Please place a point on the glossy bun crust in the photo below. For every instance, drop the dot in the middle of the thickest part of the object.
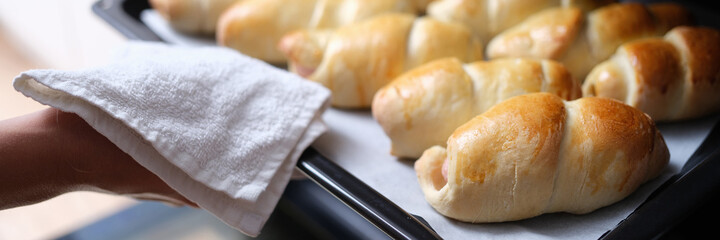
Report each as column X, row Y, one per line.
column 536, row 154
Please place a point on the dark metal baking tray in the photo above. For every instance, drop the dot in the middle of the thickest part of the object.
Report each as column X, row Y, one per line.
column 373, row 206
column 672, row 204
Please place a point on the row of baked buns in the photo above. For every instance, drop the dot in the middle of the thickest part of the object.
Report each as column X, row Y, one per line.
column 556, row 113
column 540, row 151
column 354, row 47
column 254, row 27
column 509, row 139
column 522, row 134
column 671, row 78
column 354, row 61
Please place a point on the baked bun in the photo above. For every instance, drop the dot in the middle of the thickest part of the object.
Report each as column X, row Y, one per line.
column 670, row 78
column 487, row 18
column 422, row 107
column 255, row 27
column 358, row 59
column 192, row 16
column 581, row 41
column 536, row 153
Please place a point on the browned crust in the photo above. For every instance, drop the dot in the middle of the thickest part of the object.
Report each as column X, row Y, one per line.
column 536, row 153
column 671, row 78
column 508, row 126
column 546, row 34
column 655, row 62
column 613, row 127
column 703, row 52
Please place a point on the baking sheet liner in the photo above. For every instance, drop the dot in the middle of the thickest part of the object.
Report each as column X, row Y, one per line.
column 357, row 143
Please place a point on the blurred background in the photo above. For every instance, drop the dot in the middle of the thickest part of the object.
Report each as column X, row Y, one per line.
column 60, row 35
column 48, row 34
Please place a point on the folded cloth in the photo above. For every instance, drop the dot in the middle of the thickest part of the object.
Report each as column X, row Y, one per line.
column 223, row 129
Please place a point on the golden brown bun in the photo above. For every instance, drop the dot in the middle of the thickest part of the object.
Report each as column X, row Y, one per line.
column 357, row 60
column 545, row 35
column 192, row 16
column 672, row 78
column 422, row 107
column 487, row 18
column 580, row 41
column 536, row 154
column 255, row 27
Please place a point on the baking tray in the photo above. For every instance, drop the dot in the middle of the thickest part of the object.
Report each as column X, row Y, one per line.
column 385, row 215
column 687, row 191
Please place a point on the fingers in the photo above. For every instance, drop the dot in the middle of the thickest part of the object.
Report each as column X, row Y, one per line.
column 106, row 168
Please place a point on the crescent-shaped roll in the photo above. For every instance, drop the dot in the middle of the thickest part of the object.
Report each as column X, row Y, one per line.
column 670, row 78
column 422, row 107
column 192, row 16
column 581, row 41
column 356, row 60
column 537, row 153
column 254, row 27
column 487, row 18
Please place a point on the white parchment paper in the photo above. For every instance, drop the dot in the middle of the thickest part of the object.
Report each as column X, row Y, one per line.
column 357, row 143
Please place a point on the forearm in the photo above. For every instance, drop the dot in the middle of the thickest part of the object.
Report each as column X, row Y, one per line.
column 48, row 153
column 33, row 160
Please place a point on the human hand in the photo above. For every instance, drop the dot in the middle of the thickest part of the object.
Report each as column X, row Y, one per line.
column 50, row 152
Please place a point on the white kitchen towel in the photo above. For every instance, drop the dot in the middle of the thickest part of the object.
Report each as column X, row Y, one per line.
column 223, row 129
